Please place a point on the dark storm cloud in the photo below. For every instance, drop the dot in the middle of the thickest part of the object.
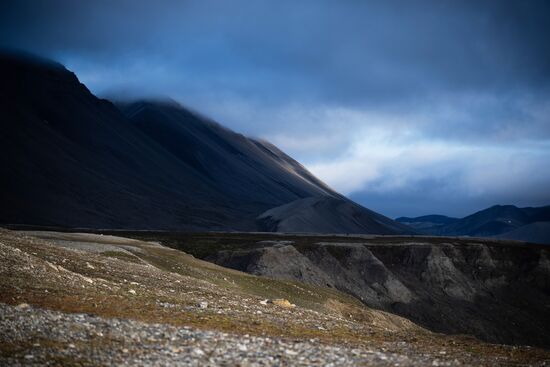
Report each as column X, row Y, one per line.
column 358, row 51
column 466, row 73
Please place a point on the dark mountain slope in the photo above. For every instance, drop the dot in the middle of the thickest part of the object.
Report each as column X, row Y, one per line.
column 537, row 232
column 493, row 220
column 427, row 223
column 241, row 168
column 71, row 159
column 327, row 215
column 538, row 214
column 434, row 218
column 498, row 221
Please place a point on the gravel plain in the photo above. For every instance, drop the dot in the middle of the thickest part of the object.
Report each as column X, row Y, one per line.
column 48, row 338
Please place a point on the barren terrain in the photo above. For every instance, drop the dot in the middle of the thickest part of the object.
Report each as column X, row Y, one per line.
column 84, row 299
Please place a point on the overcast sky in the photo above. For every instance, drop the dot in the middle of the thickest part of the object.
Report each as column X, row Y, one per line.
column 408, row 107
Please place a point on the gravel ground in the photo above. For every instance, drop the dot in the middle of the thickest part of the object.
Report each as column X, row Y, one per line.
column 161, row 307
column 47, row 338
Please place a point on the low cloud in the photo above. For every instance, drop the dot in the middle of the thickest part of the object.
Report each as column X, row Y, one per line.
column 400, row 157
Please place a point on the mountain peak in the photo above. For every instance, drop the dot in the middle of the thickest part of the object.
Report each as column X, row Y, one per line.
column 76, row 161
column 25, row 59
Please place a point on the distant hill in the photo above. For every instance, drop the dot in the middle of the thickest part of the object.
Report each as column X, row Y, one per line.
column 71, row 159
column 327, row 215
column 494, row 220
column 538, row 232
column 502, row 221
column 427, row 223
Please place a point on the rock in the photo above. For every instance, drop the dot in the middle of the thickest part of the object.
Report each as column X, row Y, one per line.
column 86, row 279
column 198, row 352
column 132, row 291
column 23, row 306
column 175, row 349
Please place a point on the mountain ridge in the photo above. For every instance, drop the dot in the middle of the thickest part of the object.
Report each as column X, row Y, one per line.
column 495, row 221
column 74, row 160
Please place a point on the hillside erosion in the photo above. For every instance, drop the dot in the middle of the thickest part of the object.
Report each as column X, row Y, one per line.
column 497, row 291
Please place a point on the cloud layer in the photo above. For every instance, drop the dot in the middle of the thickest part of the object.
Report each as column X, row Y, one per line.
column 409, row 107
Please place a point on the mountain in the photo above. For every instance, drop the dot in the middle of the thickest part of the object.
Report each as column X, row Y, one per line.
column 502, row 221
column 537, row 232
column 327, row 215
column 240, row 168
column 71, row 159
column 494, row 220
column 426, row 223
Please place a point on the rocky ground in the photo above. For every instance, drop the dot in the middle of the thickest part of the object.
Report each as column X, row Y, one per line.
column 73, row 299
column 61, row 338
